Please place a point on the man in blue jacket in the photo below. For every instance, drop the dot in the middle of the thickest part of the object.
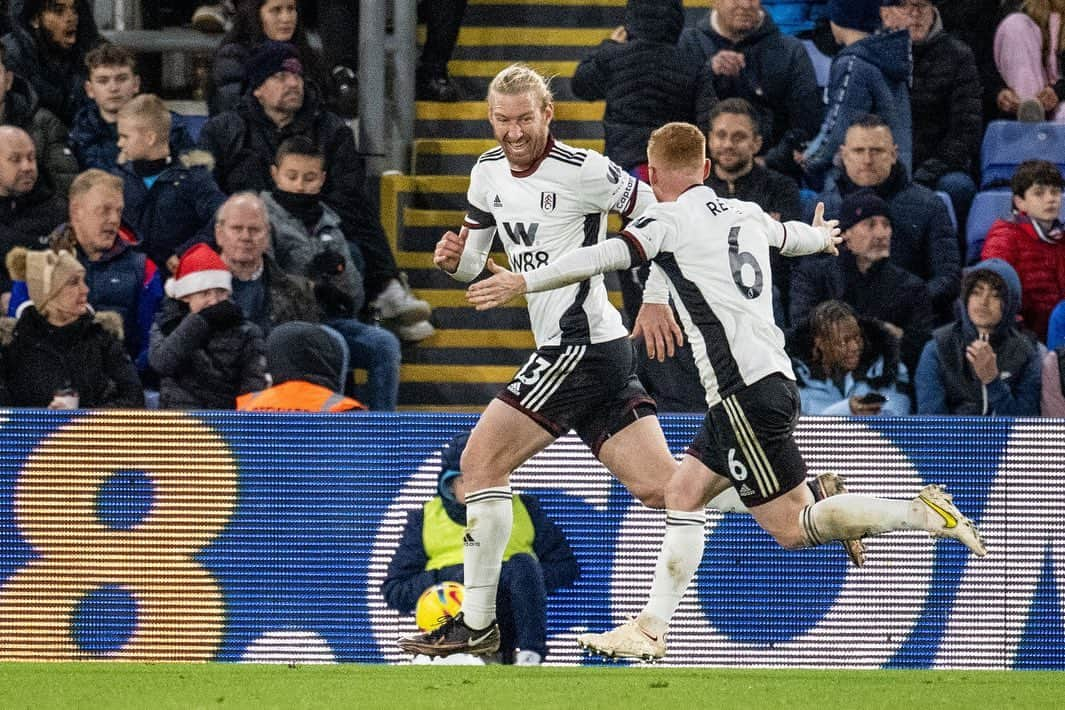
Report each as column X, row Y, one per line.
column 537, row 561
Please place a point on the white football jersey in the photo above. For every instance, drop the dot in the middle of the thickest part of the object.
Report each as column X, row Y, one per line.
column 557, row 206
column 714, row 252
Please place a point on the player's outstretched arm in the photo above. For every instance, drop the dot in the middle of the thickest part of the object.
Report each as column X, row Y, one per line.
column 800, row 239
column 659, row 329
column 829, row 228
column 448, row 252
column 498, row 289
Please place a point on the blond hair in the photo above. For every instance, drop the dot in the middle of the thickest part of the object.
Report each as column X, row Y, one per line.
column 150, row 110
column 518, row 79
column 1039, row 10
column 677, row 146
column 89, row 179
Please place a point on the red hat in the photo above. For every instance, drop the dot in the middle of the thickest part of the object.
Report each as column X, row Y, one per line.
column 200, row 269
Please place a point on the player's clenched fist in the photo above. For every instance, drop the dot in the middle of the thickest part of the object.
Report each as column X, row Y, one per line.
column 448, row 250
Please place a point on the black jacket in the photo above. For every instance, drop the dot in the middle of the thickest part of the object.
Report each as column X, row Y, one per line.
column 27, row 221
column 42, row 359
column 645, row 81
column 94, row 141
column 778, row 80
column 22, row 108
column 946, row 105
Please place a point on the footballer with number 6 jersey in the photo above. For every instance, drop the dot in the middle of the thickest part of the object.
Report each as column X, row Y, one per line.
column 714, row 255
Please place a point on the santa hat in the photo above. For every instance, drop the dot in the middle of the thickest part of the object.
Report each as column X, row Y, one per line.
column 200, row 269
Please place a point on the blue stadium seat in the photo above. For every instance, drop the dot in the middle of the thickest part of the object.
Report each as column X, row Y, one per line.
column 950, row 208
column 987, row 206
column 1009, row 143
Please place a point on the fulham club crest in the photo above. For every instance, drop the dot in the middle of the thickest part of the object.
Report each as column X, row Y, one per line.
column 547, row 201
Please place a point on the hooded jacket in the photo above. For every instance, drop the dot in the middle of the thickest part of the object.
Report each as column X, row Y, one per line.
column 57, row 77
column 177, row 210
column 871, row 75
column 879, row 370
column 778, row 79
column 55, row 162
column 94, row 141
column 945, row 381
column 27, row 221
column 645, row 81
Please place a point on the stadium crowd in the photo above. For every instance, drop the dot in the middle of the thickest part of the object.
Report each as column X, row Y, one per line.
column 200, row 243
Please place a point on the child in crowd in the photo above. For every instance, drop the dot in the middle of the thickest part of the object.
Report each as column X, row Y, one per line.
column 112, row 82
column 206, row 352
column 170, row 202
column 1032, row 241
column 308, row 241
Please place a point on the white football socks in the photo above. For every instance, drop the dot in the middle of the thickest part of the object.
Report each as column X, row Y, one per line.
column 490, row 518
column 850, row 516
column 679, row 558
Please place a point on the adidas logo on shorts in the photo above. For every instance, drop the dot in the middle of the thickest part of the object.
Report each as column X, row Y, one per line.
column 745, row 490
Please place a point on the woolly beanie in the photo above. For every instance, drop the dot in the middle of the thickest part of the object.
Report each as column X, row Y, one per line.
column 859, row 206
column 271, row 58
column 45, row 272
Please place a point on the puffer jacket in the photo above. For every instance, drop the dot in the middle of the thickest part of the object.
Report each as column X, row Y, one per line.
column 55, row 162
column 870, row 76
column 645, row 81
column 94, row 141
column 27, row 221
column 176, row 211
column 204, row 369
column 1040, row 265
column 946, row 101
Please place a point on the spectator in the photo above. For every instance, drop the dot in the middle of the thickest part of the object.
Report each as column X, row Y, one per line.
column 1032, row 241
column 47, row 47
column 20, row 107
column 112, row 82
column 640, row 73
column 244, row 143
column 255, row 23
column 864, row 277
column 848, row 365
column 871, row 74
column 29, row 208
column 204, row 349
column 981, row 364
column 306, row 367
column 120, row 279
column 1053, row 384
column 308, row 239
column 751, row 59
column 974, row 22
column 923, row 240
column 60, row 355
column 1028, row 55
column 537, row 560
column 945, row 103
column 1056, row 328
column 170, row 203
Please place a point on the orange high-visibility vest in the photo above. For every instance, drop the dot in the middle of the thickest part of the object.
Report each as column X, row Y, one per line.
column 296, row 396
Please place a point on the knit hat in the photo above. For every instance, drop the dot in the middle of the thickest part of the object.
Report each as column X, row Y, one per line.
column 44, row 272
column 271, row 58
column 858, row 206
column 200, row 269
column 449, row 464
column 861, row 15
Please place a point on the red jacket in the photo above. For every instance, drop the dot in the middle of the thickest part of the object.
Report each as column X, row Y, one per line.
column 1039, row 264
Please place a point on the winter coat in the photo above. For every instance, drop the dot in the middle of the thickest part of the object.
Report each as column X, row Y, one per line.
column 946, row 101
column 27, row 221
column 176, row 211
column 55, row 163
column 945, row 383
column 923, row 239
column 879, row 370
column 288, row 297
column 57, row 77
column 1040, row 266
column 201, row 368
column 645, row 81
column 870, row 76
column 94, row 141
column 244, row 142
column 41, row 359
column 407, row 576
column 294, row 248
column 884, row 292
column 778, row 79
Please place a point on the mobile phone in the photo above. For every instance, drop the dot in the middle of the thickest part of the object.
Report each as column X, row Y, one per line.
column 872, row 398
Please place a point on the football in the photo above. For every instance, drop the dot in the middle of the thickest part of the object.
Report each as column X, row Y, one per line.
column 437, row 604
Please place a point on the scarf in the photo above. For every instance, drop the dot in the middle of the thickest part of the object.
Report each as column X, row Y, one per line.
column 1053, row 234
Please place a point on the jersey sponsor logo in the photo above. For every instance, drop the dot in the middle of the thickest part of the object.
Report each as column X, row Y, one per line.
column 548, row 201
column 497, row 202
column 521, row 233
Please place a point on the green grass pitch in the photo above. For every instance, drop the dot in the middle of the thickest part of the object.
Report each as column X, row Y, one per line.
column 217, row 685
